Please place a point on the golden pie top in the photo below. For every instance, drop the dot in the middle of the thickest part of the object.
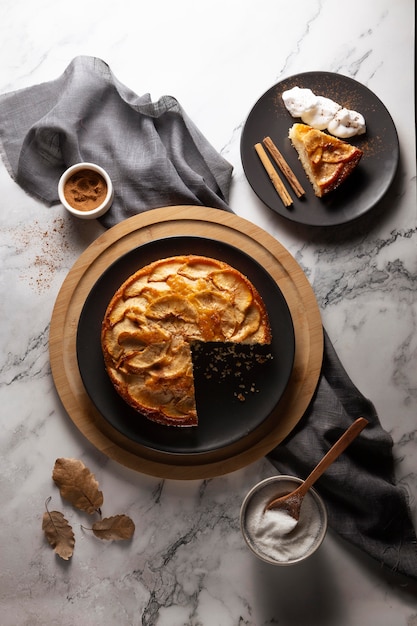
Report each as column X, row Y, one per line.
column 327, row 160
column 157, row 314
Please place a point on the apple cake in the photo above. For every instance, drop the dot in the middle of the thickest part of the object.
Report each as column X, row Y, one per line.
column 157, row 314
column 327, row 160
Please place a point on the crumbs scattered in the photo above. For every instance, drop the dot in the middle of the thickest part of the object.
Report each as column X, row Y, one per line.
column 232, row 363
column 50, row 243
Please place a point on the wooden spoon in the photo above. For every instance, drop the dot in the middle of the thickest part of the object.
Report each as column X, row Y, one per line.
column 291, row 502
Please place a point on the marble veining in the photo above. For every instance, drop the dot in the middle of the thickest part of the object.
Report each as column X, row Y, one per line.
column 187, row 563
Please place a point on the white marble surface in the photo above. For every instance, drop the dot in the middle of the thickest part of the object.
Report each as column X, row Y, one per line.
column 187, row 563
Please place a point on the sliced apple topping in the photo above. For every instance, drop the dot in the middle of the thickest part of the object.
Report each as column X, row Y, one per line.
column 155, row 289
column 177, row 363
column 210, row 300
column 250, row 327
column 163, row 269
column 147, row 357
column 118, row 313
column 198, row 268
column 134, row 287
column 241, row 292
column 171, row 306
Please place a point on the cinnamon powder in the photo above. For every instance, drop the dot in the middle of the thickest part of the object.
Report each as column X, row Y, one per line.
column 85, row 190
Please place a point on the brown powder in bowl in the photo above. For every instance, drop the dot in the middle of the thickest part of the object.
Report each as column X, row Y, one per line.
column 85, row 190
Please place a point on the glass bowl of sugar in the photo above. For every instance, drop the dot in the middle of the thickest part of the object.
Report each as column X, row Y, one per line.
column 276, row 537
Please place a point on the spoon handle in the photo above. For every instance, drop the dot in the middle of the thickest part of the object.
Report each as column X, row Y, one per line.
column 336, row 450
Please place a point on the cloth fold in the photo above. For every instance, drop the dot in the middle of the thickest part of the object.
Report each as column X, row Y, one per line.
column 156, row 156
column 153, row 152
column 364, row 504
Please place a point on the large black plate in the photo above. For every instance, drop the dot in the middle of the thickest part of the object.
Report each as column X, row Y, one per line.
column 223, row 418
column 365, row 186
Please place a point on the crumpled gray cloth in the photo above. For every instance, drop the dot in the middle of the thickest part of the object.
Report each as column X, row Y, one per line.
column 364, row 504
column 152, row 151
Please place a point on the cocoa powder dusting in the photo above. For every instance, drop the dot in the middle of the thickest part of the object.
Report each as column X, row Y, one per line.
column 51, row 247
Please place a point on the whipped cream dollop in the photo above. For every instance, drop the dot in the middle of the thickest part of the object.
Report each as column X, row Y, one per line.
column 323, row 113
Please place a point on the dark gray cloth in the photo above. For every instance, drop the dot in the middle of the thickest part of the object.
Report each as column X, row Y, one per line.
column 364, row 504
column 152, row 151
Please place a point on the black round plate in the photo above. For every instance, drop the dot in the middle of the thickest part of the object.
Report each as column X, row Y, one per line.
column 223, row 417
column 365, row 186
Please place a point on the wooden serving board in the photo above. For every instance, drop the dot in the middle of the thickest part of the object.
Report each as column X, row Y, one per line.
column 200, row 222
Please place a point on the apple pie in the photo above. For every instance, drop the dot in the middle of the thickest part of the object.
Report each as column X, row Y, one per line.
column 158, row 313
column 327, row 160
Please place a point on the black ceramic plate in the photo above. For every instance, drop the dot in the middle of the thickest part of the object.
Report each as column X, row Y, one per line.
column 366, row 185
column 219, row 379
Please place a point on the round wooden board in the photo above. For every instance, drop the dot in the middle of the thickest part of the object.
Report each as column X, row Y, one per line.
column 200, row 222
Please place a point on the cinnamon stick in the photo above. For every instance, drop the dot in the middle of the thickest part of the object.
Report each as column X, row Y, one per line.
column 273, row 175
column 283, row 166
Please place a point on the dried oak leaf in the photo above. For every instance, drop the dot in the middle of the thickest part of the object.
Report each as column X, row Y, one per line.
column 114, row 528
column 58, row 533
column 77, row 485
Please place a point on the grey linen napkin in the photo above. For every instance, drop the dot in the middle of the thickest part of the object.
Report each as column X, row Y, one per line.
column 364, row 504
column 152, row 151
column 156, row 156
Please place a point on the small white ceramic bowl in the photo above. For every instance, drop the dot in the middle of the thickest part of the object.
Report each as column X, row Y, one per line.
column 267, row 533
column 99, row 210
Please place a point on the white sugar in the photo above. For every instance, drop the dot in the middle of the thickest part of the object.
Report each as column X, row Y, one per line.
column 275, row 533
column 277, row 522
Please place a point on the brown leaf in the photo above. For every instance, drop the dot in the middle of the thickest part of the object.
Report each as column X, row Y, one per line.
column 59, row 533
column 77, row 485
column 114, row 528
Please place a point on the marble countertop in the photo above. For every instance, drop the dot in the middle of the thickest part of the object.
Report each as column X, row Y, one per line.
column 187, row 563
